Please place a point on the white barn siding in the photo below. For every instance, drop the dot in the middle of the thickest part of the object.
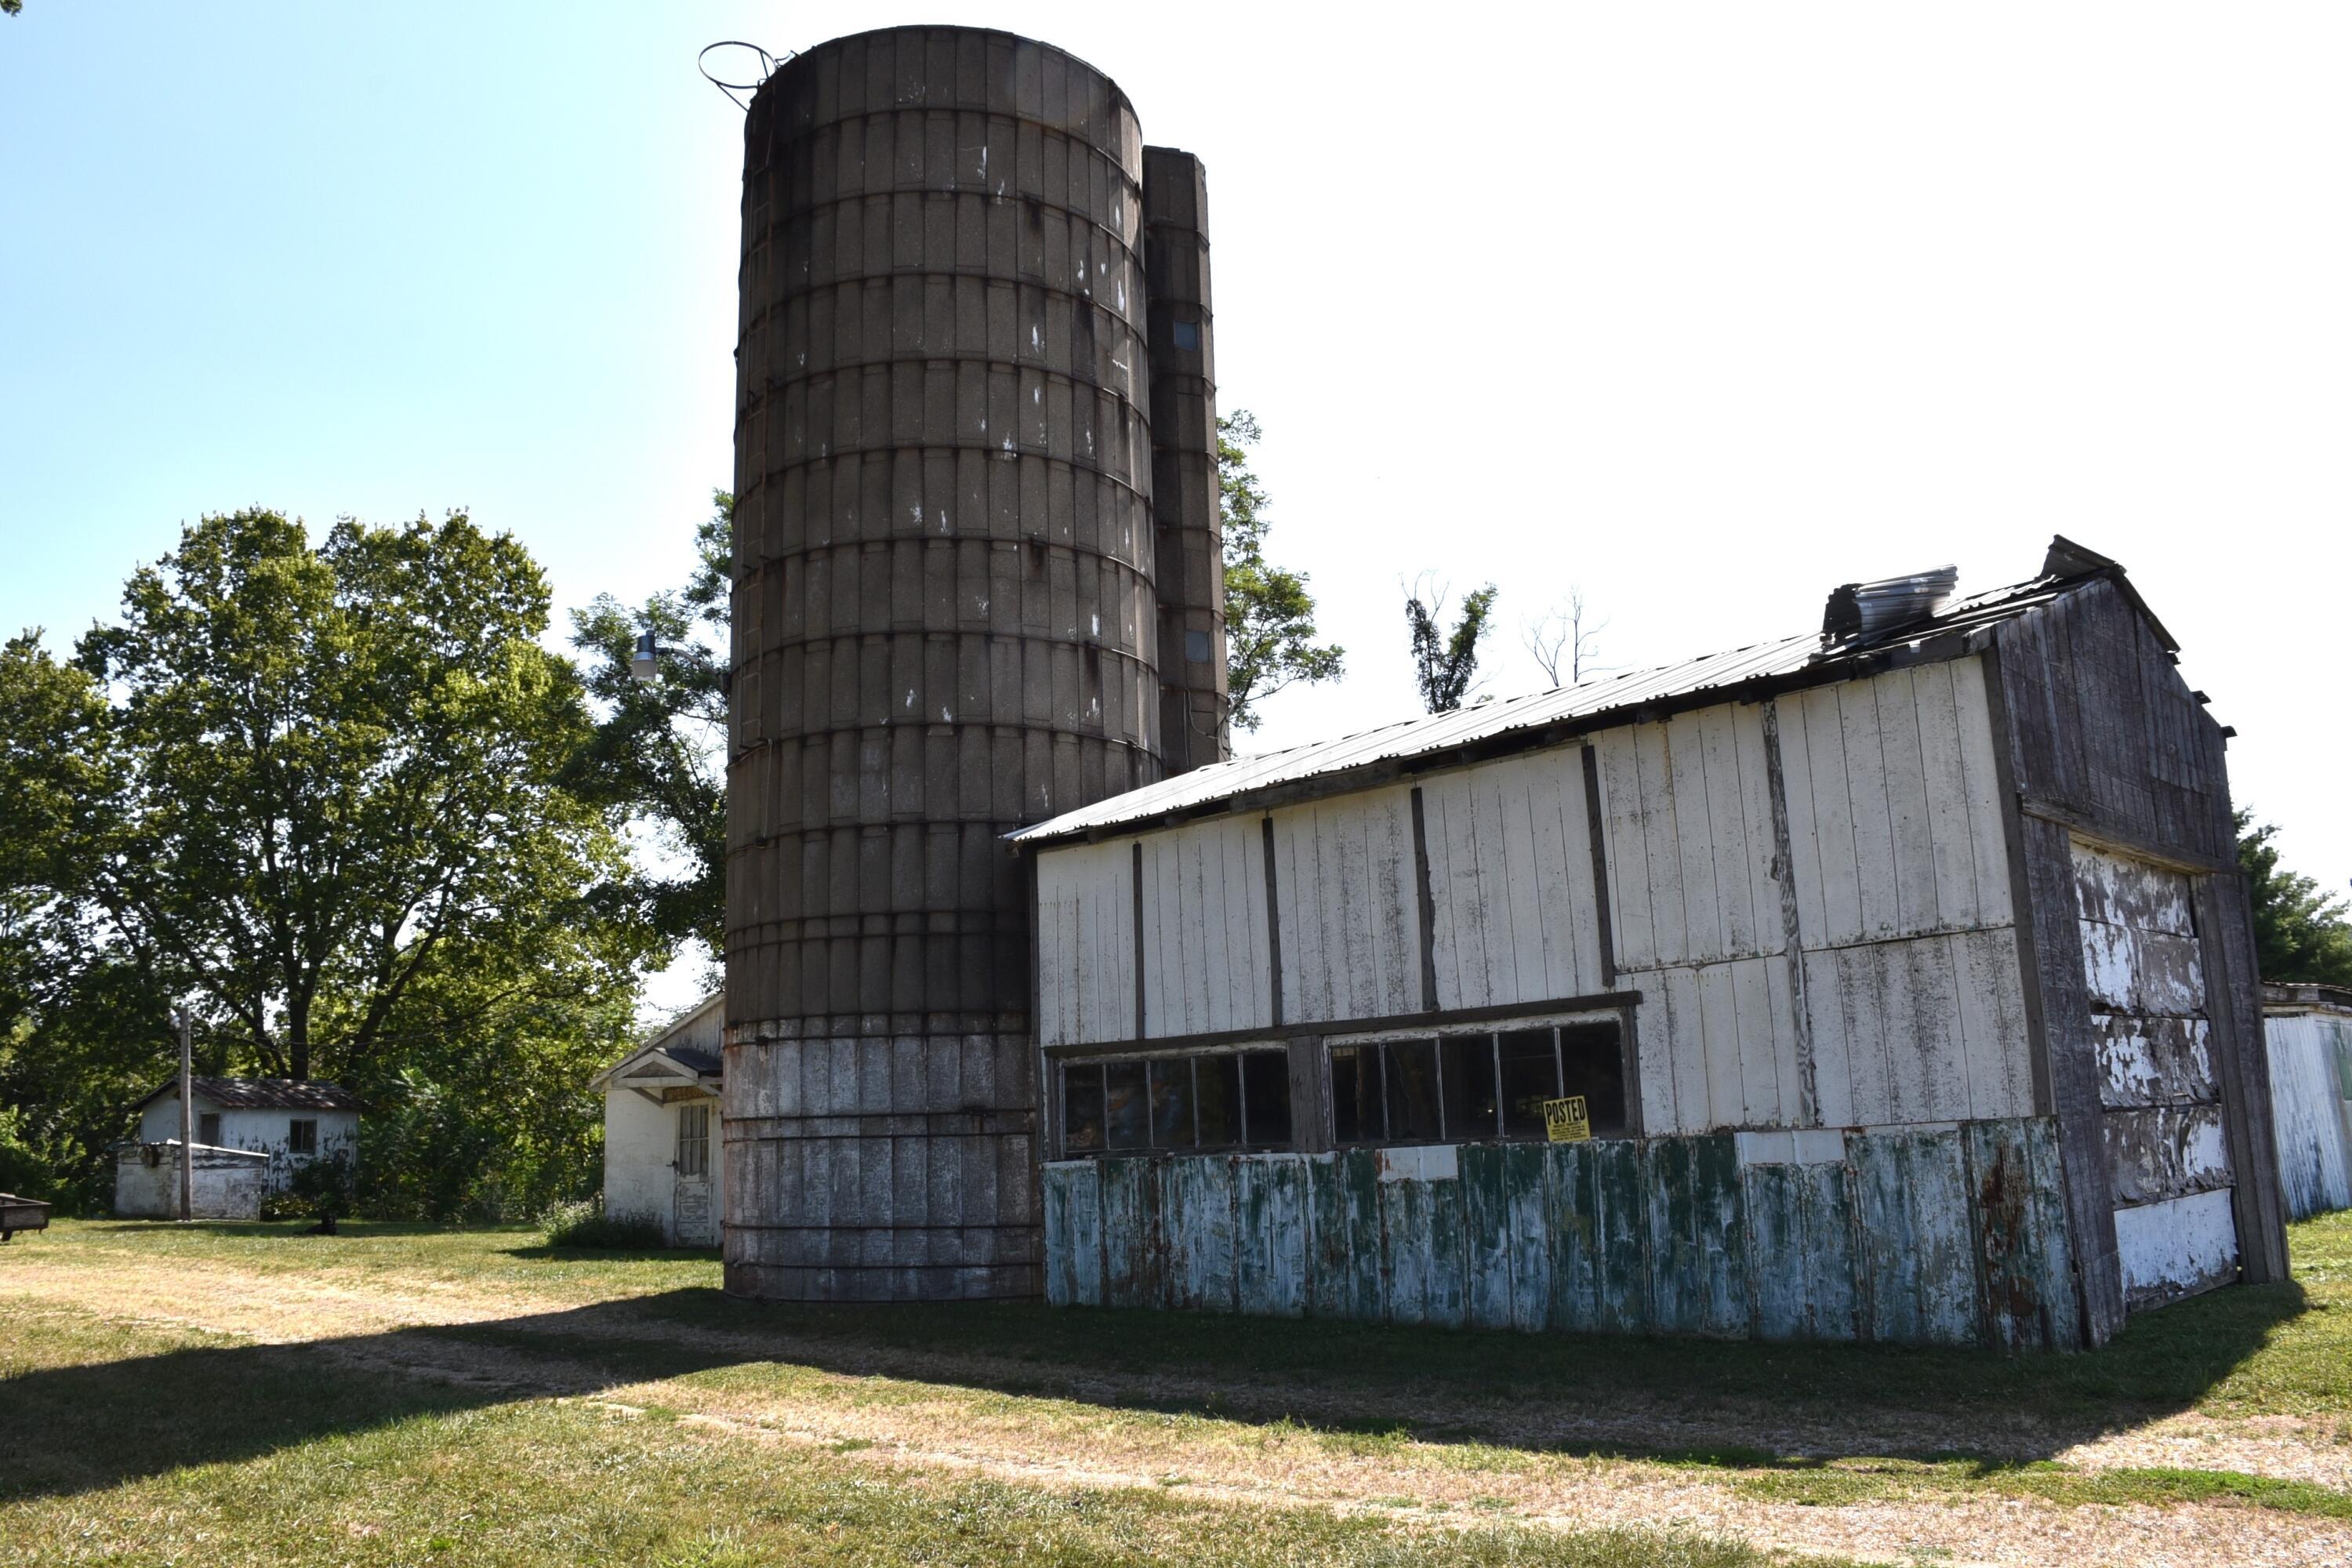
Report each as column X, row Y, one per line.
column 2310, row 1098
column 1350, row 910
column 1085, row 944
column 1207, row 963
column 1510, row 873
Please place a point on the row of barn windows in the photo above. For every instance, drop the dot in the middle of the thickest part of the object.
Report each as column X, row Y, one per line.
column 1424, row 1088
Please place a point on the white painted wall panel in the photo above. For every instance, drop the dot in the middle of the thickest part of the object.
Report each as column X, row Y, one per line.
column 1085, row 942
column 1510, row 863
column 2310, row 1106
column 1349, row 910
column 1207, row 966
column 2177, row 1247
column 1687, row 816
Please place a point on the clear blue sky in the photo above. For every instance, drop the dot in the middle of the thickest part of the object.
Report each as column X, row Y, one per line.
column 1705, row 308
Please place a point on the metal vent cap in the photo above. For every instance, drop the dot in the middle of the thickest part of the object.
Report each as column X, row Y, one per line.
column 1865, row 609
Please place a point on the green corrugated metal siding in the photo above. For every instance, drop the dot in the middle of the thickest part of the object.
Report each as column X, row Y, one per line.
column 1950, row 1234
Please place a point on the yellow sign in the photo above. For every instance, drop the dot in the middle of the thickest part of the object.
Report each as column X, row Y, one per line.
column 1566, row 1121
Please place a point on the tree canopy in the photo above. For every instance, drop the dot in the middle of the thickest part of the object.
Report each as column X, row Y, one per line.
column 1270, row 632
column 321, row 796
column 2301, row 934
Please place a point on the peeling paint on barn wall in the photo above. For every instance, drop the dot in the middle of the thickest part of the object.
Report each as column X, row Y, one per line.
column 1927, row 1234
column 2311, row 1099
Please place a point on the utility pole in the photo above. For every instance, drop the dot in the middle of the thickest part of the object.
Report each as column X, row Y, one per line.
column 187, row 1117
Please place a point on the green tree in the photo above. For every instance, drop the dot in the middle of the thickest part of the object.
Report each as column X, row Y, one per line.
column 1445, row 664
column 320, row 793
column 658, row 750
column 2300, row 933
column 1269, row 613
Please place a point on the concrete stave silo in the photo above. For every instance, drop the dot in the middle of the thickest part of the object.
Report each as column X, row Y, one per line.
column 945, row 626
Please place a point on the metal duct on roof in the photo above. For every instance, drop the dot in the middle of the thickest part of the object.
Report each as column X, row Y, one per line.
column 1860, row 609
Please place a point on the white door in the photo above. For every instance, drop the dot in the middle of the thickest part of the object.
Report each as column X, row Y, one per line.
column 695, row 1224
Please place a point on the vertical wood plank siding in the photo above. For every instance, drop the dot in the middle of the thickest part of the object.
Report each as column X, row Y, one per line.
column 2311, row 1099
column 1942, row 1236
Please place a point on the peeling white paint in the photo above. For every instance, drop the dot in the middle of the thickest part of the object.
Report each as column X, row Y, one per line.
column 2177, row 1247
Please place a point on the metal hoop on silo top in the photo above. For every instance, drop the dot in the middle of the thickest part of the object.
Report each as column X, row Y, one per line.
column 768, row 64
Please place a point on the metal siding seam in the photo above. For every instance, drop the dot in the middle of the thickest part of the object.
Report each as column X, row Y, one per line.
column 1273, row 922
column 1136, row 871
column 1792, row 937
column 1593, row 836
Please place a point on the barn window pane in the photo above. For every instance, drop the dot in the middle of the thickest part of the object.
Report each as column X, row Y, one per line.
column 1172, row 1104
column 1531, row 1076
column 302, row 1137
column 693, row 1140
column 1217, row 1083
column 1266, row 1081
column 1592, row 1062
column 1082, row 1110
column 208, row 1128
column 1411, row 1075
column 1356, row 1095
column 1468, row 1062
column 1126, row 1107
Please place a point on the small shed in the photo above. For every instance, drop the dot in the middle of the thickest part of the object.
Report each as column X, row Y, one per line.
column 661, row 1127
column 1891, row 983
column 2310, row 1032
column 286, row 1121
column 224, row 1184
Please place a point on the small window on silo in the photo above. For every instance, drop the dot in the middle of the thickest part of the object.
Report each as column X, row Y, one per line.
column 1188, row 335
column 1196, row 647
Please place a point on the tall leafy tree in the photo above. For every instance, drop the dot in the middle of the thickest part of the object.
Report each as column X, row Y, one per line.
column 1445, row 664
column 1270, row 633
column 2300, row 933
column 658, row 750
column 334, row 766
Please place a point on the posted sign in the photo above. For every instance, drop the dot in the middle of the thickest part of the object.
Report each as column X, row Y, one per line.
column 1567, row 1121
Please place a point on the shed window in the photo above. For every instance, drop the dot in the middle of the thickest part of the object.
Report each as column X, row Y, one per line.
column 694, row 1140
column 208, row 1128
column 302, row 1136
column 1177, row 1104
column 1462, row 1087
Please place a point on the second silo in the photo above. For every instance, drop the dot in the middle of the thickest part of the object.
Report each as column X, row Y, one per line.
column 945, row 626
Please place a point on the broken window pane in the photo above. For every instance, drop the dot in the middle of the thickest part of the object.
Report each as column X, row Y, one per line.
column 1082, row 1110
column 1411, row 1074
column 1593, row 1065
column 1356, row 1095
column 1125, row 1109
column 1217, row 1082
column 1172, row 1104
column 1468, row 1062
column 302, row 1137
column 1266, row 1080
column 1531, row 1076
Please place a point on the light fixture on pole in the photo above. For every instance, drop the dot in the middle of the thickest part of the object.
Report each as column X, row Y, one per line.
column 647, row 663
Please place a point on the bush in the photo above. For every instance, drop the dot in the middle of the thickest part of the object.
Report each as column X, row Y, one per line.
column 325, row 1184
column 587, row 1224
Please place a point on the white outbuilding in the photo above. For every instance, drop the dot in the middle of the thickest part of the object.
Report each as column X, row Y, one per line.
column 251, row 1133
column 2309, row 1028
column 661, row 1128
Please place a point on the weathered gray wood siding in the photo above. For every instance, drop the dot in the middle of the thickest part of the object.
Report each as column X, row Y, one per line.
column 2106, row 745
column 1922, row 1235
column 1346, row 899
column 2310, row 1098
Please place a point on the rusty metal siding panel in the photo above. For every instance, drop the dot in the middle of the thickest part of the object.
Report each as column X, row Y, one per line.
column 2027, row 1266
column 1801, row 1250
column 1914, row 1209
column 1272, row 1207
column 1073, row 1235
column 1599, row 1258
column 1346, row 1278
column 1196, row 1233
column 1699, row 1266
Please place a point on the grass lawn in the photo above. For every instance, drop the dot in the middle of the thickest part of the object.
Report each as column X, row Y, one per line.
column 403, row 1394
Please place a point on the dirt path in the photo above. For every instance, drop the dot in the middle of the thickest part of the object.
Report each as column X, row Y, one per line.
column 938, row 1412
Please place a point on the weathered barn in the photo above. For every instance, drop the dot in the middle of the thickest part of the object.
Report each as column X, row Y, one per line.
column 661, row 1127
column 2309, row 1030
column 1904, row 971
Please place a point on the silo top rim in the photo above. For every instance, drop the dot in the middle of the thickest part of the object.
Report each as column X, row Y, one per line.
column 1117, row 92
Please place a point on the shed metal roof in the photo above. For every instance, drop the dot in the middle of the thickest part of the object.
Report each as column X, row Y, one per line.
column 1802, row 660
column 263, row 1094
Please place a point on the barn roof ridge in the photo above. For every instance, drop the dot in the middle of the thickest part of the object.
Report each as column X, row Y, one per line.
column 1434, row 740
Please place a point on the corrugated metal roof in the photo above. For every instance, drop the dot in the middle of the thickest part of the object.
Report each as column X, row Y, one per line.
column 1435, row 732
column 265, row 1094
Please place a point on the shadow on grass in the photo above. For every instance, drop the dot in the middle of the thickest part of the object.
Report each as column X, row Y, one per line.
column 74, row 1427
